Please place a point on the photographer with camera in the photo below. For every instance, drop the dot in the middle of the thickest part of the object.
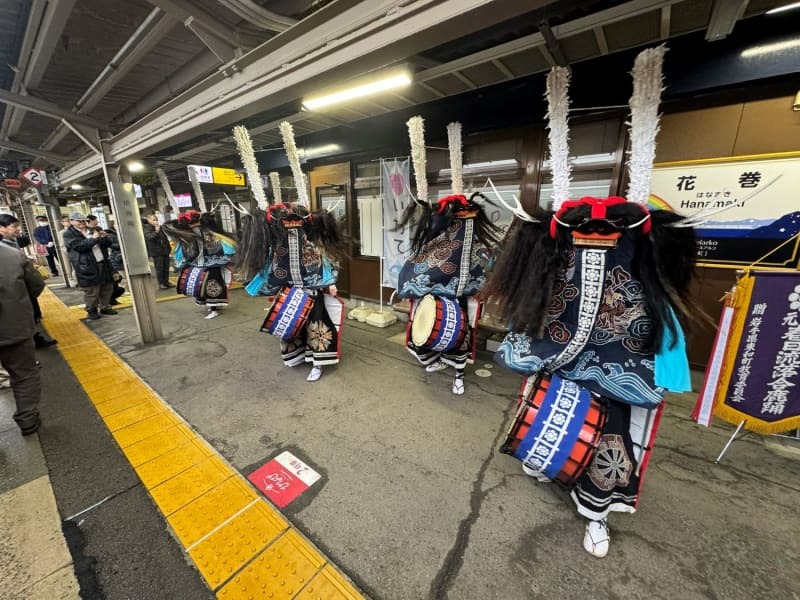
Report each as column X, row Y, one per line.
column 88, row 253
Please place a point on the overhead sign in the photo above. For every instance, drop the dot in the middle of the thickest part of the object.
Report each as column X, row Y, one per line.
column 745, row 208
column 217, row 175
column 202, row 173
column 12, row 183
column 183, row 200
column 34, row 176
column 226, row 176
column 284, row 478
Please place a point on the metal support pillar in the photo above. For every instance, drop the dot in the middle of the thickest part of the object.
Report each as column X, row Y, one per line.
column 54, row 217
column 134, row 251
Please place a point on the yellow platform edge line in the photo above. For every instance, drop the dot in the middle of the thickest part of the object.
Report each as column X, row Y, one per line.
column 233, row 535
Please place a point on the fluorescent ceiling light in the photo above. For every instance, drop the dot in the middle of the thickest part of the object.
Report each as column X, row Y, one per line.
column 367, row 88
column 319, row 150
column 135, row 166
column 76, row 186
column 783, row 8
column 770, row 48
column 490, row 166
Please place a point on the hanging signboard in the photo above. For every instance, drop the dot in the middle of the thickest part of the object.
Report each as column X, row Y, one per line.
column 394, row 186
column 183, row 200
column 217, row 175
column 202, row 173
column 226, row 176
column 759, row 195
column 34, row 176
column 12, row 183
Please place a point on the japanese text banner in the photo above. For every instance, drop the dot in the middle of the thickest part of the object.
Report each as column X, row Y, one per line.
column 760, row 383
column 744, row 208
column 394, row 185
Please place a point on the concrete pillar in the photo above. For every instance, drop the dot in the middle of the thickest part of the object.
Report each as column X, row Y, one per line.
column 134, row 251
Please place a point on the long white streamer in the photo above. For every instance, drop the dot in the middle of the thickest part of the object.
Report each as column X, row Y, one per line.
column 558, row 134
column 456, row 161
column 245, row 146
column 287, row 133
column 275, row 181
column 416, row 133
column 644, row 124
column 162, row 177
column 198, row 192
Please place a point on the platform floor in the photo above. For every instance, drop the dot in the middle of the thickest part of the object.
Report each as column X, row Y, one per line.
column 414, row 501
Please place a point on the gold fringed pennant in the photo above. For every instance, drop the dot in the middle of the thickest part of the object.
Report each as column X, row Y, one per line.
column 760, row 377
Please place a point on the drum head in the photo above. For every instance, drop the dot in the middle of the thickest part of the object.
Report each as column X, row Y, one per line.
column 424, row 319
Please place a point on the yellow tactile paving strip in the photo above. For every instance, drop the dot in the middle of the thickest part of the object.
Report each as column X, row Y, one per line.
column 241, row 545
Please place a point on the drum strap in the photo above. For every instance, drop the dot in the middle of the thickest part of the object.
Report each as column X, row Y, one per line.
column 466, row 257
column 593, row 263
column 294, row 257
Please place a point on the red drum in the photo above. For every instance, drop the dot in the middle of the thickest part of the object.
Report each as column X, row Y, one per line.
column 438, row 324
column 192, row 281
column 557, row 428
column 288, row 314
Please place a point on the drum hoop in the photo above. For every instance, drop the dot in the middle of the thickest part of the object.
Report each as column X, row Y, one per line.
column 524, row 404
column 424, row 320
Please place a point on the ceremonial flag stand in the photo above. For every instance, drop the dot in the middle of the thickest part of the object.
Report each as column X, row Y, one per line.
column 760, row 318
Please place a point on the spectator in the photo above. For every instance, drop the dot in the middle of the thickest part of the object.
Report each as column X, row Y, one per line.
column 115, row 257
column 88, row 253
column 9, row 230
column 45, row 244
column 68, row 272
column 9, row 236
column 19, row 282
column 158, row 249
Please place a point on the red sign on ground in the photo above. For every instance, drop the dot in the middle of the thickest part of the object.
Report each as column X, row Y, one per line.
column 284, row 478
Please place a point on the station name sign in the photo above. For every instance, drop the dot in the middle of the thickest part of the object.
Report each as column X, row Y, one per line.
column 217, row 175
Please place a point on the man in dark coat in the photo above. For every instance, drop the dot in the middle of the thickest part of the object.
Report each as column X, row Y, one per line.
column 19, row 282
column 158, row 249
column 117, row 264
column 88, row 253
column 44, row 237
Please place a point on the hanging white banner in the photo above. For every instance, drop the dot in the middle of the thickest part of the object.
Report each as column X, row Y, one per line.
column 395, row 186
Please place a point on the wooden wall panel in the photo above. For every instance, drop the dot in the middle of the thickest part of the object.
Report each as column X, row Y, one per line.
column 768, row 126
column 705, row 133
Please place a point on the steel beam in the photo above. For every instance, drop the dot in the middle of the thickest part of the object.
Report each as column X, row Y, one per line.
column 552, row 44
column 724, row 14
column 56, row 159
column 47, row 35
column 201, row 65
column 183, row 11
column 146, row 37
column 55, row 19
column 666, row 18
column 222, row 49
column 500, row 66
column 258, row 15
column 600, row 37
column 360, row 38
column 28, row 40
column 48, row 109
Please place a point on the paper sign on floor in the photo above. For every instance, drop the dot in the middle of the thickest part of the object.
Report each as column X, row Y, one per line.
column 284, row 478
